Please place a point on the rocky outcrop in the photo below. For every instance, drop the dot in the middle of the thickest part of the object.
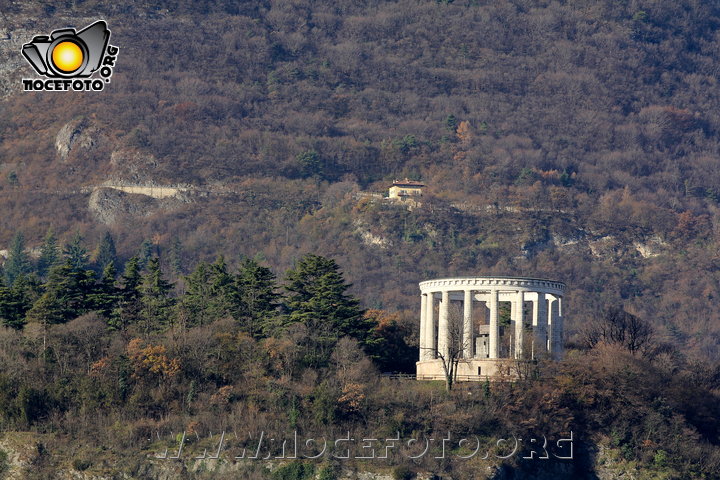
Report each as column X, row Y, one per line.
column 108, row 205
column 77, row 134
column 652, row 247
column 369, row 238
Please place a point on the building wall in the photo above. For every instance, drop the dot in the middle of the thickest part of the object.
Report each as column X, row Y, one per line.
column 467, row 370
column 396, row 192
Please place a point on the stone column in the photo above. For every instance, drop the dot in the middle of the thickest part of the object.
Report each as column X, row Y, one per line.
column 519, row 324
column 534, row 343
column 558, row 332
column 423, row 327
column 443, row 326
column 430, row 326
column 511, row 335
column 540, row 324
column 494, row 324
column 512, row 310
column 468, row 337
column 552, row 325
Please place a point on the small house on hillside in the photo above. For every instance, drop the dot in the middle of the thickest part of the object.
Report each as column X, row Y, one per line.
column 405, row 189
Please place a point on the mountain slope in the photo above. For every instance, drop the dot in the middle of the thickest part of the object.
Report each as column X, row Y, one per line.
column 574, row 140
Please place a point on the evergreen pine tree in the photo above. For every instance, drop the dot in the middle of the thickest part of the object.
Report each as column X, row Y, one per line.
column 15, row 301
column 18, row 262
column 222, row 288
column 131, row 278
column 68, row 294
column 48, row 309
column 105, row 253
column 49, row 253
column 156, row 303
column 128, row 309
column 197, row 294
column 144, row 254
column 317, row 299
column 175, row 256
column 210, row 293
column 107, row 296
column 6, row 309
column 451, row 123
column 76, row 253
column 256, row 298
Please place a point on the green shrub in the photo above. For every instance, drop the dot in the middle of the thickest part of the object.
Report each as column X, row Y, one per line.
column 403, row 473
column 627, row 451
column 81, row 464
column 328, row 472
column 3, row 463
column 660, row 458
column 294, row 471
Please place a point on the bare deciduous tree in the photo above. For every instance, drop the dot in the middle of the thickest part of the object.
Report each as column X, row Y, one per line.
column 617, row 326
column 456, row 345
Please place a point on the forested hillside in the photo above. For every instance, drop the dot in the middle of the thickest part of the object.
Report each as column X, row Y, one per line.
column 597, row 120
column 577, row 140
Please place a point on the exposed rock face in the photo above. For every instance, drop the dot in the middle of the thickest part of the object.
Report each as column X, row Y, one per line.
column 369, row 238
column 109, row 205
column 76, row 134
column 653, row 247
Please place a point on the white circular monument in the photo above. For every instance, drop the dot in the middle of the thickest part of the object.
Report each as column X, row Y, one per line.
column 488, row 324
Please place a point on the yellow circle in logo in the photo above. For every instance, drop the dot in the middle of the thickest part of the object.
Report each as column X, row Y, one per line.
column 67, row 56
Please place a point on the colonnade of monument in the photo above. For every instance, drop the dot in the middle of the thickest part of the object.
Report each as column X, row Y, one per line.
column 451, row 327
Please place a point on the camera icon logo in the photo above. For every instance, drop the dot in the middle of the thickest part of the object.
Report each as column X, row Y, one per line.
column 67, row 56
column 67, row 53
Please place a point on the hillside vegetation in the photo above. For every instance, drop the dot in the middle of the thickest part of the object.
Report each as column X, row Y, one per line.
column 574, row 140
column 106, row 375
column 598, row 120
